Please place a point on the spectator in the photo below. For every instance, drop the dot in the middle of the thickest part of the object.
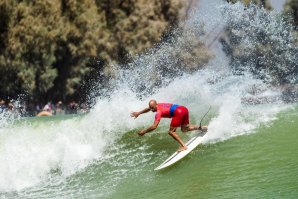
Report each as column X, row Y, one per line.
column 73, row 107
column 37, row 108
column 48, row 107
column 2, row 106
column 10, row 107
column 59, row 108
column 47, row 110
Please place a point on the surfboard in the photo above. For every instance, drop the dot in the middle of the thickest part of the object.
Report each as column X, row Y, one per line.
column 191, row 145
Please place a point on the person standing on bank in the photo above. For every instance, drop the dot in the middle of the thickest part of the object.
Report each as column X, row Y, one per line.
column 179, row 115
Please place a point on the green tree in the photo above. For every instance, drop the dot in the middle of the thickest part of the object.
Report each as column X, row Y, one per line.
column 262, row 3
column 291, row 7
column 83, row 34
column 48, row 47
column 28, row 53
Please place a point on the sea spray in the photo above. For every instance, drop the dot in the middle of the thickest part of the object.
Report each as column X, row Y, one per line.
column 32, row 154
column 261, row 42
column 8, row 116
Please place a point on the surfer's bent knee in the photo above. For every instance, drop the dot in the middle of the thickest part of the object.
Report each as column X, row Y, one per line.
column 172, row 131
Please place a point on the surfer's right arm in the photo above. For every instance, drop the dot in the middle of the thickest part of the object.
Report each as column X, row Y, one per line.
column 151, row 128
column 136, row 114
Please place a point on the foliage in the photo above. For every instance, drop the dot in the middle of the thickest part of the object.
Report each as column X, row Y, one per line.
column 291, row 7
column 47, row 47
column 261, row 3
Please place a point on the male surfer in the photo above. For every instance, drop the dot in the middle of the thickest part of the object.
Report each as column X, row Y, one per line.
column 179, row 115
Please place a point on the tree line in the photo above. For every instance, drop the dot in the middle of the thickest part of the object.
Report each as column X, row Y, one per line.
column 48, row 48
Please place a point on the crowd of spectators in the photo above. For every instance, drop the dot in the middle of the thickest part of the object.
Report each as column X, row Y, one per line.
column 48, row 109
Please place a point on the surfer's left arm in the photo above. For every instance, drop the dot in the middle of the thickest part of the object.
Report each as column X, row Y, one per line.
column 149, row 129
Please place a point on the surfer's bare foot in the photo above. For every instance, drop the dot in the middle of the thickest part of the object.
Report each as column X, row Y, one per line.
column 182, row 148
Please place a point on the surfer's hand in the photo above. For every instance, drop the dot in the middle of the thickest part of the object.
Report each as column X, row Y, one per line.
column 142, row 132
column 134, row 114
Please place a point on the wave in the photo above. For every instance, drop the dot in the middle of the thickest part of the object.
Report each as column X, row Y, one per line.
column 32, row 153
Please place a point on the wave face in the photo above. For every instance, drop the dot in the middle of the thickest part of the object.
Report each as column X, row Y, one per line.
column 40, row 155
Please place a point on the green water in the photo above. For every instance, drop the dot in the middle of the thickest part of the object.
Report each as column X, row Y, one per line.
column 260, row 164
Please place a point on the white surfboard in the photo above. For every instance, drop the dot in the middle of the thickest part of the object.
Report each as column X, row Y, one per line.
column 191, row 144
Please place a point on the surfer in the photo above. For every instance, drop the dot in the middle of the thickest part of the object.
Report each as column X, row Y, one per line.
column 179, row 115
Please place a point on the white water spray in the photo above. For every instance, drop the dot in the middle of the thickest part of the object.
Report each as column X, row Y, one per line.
column 31, row 153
